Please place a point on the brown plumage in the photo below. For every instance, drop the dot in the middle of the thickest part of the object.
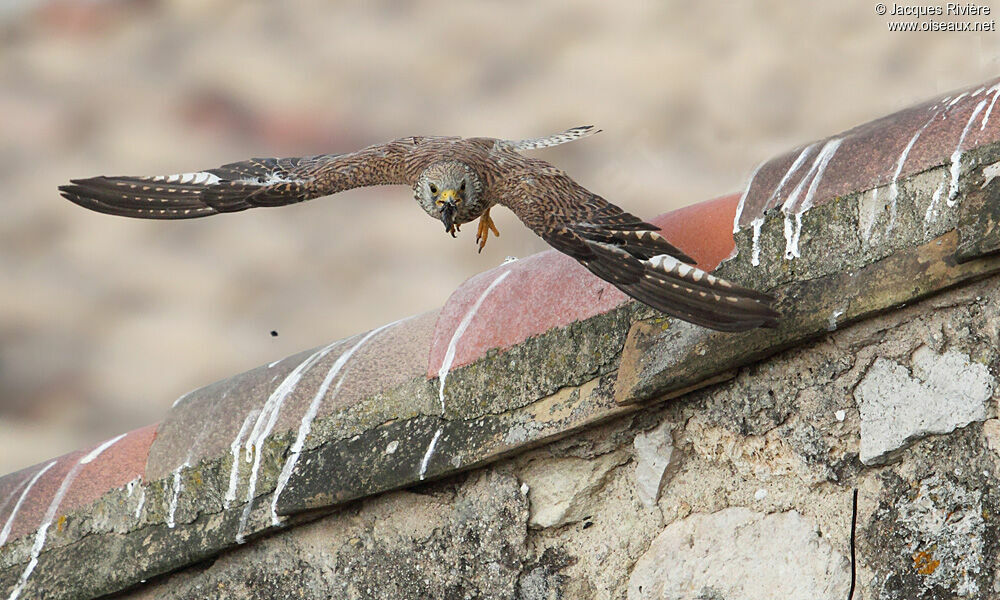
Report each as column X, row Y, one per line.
column 458, row 180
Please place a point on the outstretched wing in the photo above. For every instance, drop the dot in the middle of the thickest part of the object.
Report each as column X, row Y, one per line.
column 242, row 185
column 622, row 249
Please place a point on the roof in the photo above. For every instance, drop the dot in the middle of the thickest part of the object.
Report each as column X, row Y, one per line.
column 535, row 349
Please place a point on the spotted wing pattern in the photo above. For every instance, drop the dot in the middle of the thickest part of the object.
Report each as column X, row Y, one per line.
column 241, row 185
column 622, row 249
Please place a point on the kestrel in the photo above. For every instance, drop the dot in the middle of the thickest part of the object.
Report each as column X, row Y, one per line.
column 458, row 180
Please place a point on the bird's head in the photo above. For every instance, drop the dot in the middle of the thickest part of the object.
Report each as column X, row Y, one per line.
column 450, row 191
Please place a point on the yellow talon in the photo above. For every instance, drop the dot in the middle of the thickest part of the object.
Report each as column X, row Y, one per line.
column 486, row 225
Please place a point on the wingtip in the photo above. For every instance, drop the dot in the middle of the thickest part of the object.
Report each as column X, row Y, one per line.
column 588, row 129
column 69, row 191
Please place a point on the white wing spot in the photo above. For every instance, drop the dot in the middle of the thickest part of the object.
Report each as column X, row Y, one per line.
column 199, row 178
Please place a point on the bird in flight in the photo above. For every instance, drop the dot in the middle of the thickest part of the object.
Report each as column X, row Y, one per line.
column 457, row 180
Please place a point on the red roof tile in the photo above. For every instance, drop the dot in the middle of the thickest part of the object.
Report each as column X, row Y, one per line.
column 120, row 462
column 874, row 154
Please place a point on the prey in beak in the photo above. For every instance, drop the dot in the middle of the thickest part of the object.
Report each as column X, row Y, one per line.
column 449, row 201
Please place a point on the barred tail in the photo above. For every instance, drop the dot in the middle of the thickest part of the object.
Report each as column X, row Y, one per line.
column 554, row 140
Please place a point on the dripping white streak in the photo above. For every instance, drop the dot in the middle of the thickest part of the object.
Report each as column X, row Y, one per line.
column 894, row 187
column 98, row 450
column 989, row 111
column 796, row 165
column 449, row 355
column 13, row 513
column 234, row 448
column 178, row 482
column 824, row 159
column 743, row 198
column 265, row 423
column 50, row 514
column 871, row 224
column 181, row 399
column 142, row 501
column 814, row 176
column 270, row 365
column 956, row 156
column 792, row 235
column 305, row 426
column 427, row 455
column 176, row 495
column 831, row 322
column 957, row 98
column 929, row 215
column 788, row 207
column 755, row 257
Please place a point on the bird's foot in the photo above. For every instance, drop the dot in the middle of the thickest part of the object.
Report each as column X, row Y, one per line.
column 486, row 225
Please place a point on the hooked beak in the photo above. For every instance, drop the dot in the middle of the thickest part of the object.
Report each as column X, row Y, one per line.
column 448, row 201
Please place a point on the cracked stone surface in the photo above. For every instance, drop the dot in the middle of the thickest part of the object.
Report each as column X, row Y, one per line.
column 656, row 462
column 897, row 405
column 931, row 529
column 563, row 489
column 740, row 554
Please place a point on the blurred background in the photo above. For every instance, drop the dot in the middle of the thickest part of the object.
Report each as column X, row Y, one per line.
column 105, row 321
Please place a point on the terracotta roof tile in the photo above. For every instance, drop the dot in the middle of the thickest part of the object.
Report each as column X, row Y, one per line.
column 120, row 461
column 874, row 154
column 207, row 422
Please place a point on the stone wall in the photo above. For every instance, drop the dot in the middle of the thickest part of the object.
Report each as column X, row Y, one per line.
column 741, row 490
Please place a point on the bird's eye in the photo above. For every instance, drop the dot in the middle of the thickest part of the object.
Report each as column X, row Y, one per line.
column 433, row 188
column 462, row 187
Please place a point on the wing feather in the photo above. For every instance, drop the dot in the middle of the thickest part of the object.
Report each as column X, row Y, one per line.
column 624, row 250
column 241, row 185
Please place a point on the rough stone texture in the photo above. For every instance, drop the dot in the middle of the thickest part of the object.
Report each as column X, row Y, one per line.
column 931, row 529
column 740, row 554
column 656, row 462
column 457, row 541
column 944, row 391
column 562, row 490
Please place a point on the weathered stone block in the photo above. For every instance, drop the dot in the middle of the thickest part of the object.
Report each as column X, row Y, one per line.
column 740, row 554
column 943, row 392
